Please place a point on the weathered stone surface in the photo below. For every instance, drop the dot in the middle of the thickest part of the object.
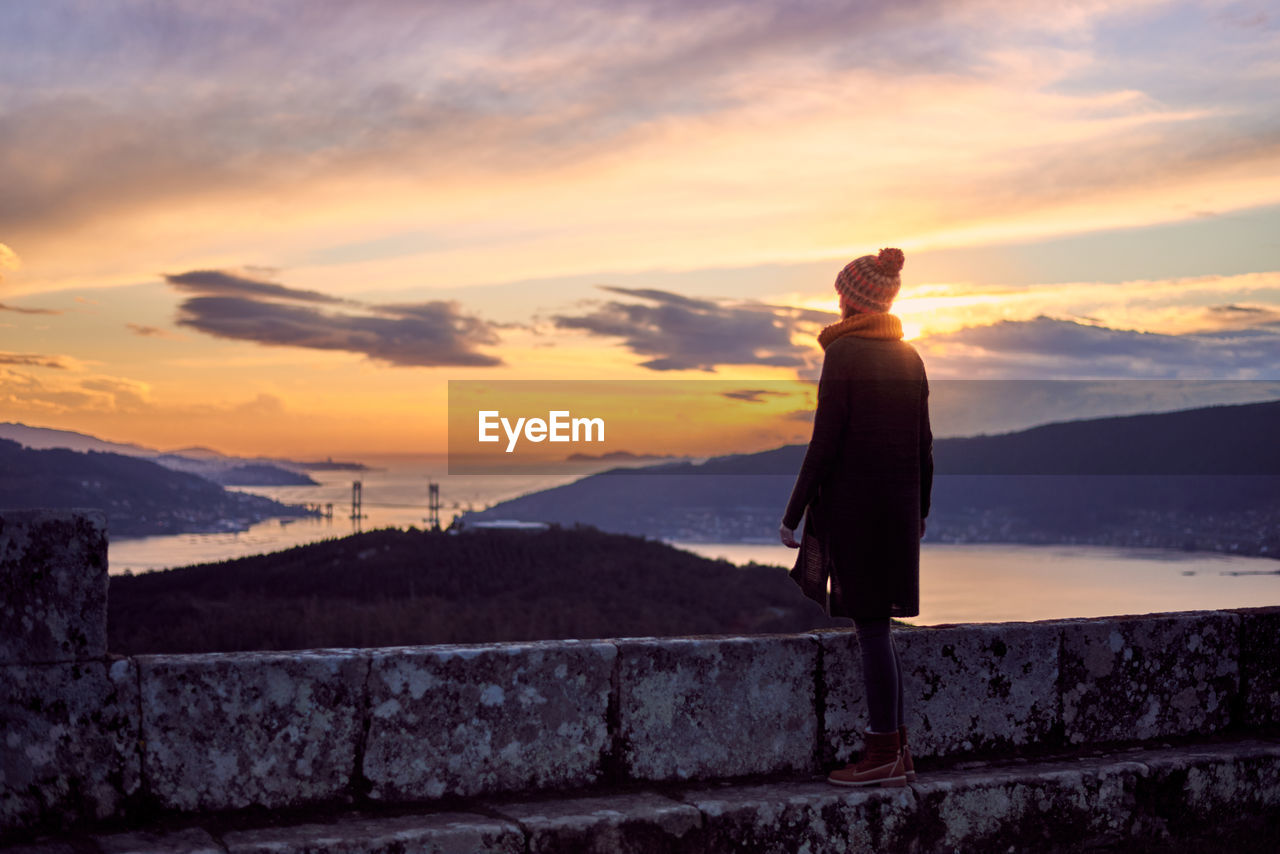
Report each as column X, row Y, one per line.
column 1135, row 678
column 498, row 717
column 1052, row 806
column 68, row 741
column 974, row 688
column 440, row 833
column 1189, row 789
column 692, row 708
column 844, row 696
column 638, row 823
column 193, row 840
column 227, row 730
column 51, row 847
column 812, row 817
column 1259, row 667
column 53, row 585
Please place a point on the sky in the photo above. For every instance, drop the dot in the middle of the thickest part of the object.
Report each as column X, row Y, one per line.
column 283, row 227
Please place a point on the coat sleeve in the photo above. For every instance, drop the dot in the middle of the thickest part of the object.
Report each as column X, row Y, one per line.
column 828, row 430
column 926, row 451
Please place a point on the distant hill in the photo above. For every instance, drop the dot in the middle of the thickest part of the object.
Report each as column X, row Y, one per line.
column 393, row 587
column 1217, row 440
column 1197, row 479
column 42, row 438
column 225, row 471
column 218, row 467
column 139, row 497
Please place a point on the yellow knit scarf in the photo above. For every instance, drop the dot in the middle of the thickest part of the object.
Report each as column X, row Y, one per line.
column 880, row 325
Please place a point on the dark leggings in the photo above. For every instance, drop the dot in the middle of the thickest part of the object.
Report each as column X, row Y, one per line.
column 882, row 670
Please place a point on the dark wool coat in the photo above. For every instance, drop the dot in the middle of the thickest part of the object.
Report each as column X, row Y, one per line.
column 866, row 480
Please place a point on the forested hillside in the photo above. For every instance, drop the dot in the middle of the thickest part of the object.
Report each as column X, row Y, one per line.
column 392, row 587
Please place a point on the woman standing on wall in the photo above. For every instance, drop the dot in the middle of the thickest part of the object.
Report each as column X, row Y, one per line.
column 863, row 491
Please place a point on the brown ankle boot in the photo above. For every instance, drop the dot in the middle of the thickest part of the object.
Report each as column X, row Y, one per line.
column 908, row 769
column 881, row 764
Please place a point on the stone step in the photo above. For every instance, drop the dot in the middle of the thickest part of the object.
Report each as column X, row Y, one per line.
column 1184, row 798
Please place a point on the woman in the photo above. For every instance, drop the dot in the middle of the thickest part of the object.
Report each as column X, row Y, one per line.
column 863, row 491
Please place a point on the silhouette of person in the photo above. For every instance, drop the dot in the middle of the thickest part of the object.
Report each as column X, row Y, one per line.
column 863, row 491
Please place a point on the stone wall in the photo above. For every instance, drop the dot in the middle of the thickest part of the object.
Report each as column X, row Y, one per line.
column 88, row 736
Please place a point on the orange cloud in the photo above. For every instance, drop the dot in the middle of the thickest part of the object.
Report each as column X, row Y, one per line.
column 8, row 258
column 563, row 143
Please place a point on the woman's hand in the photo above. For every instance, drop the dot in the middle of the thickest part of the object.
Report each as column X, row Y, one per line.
column 788, row 537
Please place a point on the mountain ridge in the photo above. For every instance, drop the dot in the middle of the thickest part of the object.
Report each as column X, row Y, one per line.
column 140, row 497
column 223, row 469
column 1204, row 478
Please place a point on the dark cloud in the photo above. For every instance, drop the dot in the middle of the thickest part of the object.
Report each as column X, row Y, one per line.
column 661, row 297
column 222, row 283
column 148, row 331
column 428, row 334
column 1048, row 348
column 1237, row 309
column 21, row 310
column 32, row 359
column 1242, row 317
column 677, row 333
column 752, row 395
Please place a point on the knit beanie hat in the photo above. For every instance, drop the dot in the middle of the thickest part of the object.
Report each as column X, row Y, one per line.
column 871, row 282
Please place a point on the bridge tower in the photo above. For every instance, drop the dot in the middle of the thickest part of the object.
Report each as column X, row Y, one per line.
column 357, row 500
column 433, row 506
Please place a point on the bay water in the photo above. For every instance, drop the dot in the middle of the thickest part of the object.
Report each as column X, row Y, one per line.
column 959, row 583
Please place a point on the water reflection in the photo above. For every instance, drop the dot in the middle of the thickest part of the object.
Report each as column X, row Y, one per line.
column 995, row 583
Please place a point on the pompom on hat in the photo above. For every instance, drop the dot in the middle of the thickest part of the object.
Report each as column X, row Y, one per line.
column 871, row 282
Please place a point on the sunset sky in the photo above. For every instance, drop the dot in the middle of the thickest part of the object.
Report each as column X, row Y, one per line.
column 282, row 227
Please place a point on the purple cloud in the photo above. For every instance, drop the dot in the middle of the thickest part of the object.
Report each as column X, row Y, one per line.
column 1048, row 348
column 220, row 282
column 428, row 334
column 679, row 333
column 32, row 360
column 20, row 310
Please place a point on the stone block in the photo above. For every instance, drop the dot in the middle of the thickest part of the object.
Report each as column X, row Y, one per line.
column 464, row 720
column 702, row 707
column 636, row 823
column 1259, row 705
column 784, row 818
column 1127, row 679
column 1190, row 789
column 230, row 730
column 68, row 742
column 843, row 697
column 193, row 840
column 53, row 586
column 1053, row 806
column 439, row 833
column 983, row 688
